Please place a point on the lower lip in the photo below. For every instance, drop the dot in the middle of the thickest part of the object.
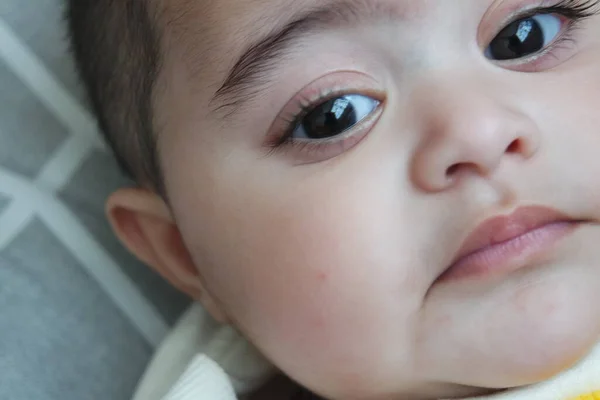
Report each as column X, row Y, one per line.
column 510, row 255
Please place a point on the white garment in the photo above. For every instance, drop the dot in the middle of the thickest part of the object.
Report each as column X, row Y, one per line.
column 201, row 360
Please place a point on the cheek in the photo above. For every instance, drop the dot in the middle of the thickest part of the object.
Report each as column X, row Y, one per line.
column 319, row 282
column 571, row 137
column 304, row 272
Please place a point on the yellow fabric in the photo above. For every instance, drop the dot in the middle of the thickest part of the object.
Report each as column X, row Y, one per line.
column 590, row 396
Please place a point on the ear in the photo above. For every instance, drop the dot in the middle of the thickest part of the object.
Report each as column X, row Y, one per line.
column 144, row 224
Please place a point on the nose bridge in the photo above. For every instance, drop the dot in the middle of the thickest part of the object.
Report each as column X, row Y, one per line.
column 464, row 114
column 466, row 124
column 459, row 100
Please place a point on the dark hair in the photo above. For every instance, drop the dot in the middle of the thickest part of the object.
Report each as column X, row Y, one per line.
column 116, row 44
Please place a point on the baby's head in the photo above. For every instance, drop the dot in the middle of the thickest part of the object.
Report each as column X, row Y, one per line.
column 330, row 178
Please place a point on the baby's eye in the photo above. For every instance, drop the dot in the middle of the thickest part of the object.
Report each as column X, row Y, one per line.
column 525, row 37
column 334, row 117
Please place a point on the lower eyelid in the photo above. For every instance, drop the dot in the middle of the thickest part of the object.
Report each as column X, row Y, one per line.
column 373, row 104
column 305, row 152
column 336, row 83
column 535, row 62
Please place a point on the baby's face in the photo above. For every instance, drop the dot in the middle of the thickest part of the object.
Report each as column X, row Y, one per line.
column 328, row 176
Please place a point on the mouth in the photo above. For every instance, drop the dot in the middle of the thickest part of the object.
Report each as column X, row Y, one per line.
column 507, row 243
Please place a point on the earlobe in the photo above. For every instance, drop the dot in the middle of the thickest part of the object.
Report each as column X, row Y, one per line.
column 144, row 224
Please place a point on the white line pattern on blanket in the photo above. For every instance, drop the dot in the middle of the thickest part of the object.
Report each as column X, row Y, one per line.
column 36, row 199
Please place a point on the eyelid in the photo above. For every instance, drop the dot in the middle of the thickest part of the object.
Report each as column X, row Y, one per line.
column 323, row 89
column 304, row 152
column 497, row 18
column 571, row 13
column 554, row 55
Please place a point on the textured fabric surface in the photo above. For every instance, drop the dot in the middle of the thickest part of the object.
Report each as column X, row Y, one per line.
column 197, row 336
column 4, row 201
column 79, row 317
column 203, row 379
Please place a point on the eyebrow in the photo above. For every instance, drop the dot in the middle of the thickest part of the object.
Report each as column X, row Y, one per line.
column 251, row 72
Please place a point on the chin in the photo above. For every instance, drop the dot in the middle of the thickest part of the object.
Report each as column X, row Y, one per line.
column 523, row 331
column 549, row 343
column 553, row 363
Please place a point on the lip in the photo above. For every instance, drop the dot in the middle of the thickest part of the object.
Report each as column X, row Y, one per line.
column 508, row 242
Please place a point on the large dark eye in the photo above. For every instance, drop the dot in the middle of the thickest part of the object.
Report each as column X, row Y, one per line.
column 525, row 37
column 335, row 117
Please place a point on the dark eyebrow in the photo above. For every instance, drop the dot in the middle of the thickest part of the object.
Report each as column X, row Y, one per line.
column 250, row 73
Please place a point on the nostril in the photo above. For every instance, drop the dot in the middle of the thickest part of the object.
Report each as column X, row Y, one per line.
column 515, row 147
column 452, row 170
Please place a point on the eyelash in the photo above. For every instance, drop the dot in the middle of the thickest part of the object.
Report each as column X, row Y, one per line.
column 576, row 11
column 303, row 106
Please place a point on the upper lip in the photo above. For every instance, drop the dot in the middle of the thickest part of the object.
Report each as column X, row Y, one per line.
column 503, row 228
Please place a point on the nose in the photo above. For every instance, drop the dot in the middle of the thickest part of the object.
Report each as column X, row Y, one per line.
column 465, row 131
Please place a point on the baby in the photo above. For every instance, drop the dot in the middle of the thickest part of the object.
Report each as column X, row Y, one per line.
column 390, row 199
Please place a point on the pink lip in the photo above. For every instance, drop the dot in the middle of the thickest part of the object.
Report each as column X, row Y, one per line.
column 507, row 243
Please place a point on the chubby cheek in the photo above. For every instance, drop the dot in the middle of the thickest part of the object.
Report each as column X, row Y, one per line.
column 572, row 136
column 316, row 284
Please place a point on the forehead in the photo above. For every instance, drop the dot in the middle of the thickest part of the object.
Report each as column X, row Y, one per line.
column 207, row 23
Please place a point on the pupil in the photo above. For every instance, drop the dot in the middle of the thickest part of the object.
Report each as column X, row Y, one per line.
column 519, row 39
column 330, row 119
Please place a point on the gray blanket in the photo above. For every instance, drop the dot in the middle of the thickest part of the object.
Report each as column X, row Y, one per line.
column 79, row 317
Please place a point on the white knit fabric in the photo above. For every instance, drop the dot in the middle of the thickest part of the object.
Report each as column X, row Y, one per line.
column 192, row 366
column 199, row 350
column 204, row 379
